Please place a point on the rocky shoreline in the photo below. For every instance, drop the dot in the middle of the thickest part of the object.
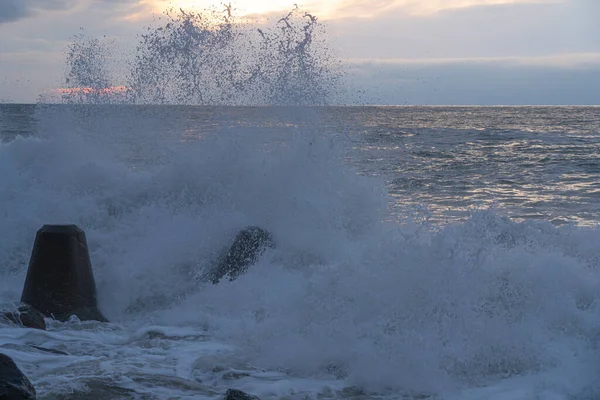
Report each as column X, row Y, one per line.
column 60, row 284
column 14, row 385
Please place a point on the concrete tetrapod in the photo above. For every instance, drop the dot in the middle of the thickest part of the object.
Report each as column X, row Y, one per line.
column 60, row 281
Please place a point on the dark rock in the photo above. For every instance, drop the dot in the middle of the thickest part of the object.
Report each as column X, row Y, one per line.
column 14, row 385
column 60, row 281
column 26, row 316
column 234, row 394
column 248, row 245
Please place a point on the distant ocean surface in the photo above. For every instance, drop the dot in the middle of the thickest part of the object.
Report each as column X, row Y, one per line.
column 423, row 252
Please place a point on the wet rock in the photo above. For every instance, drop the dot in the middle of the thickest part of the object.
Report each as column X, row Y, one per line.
column 60, row 281
column 234, row 394
column 14, row 385
column 248, row 245
column 26, row 316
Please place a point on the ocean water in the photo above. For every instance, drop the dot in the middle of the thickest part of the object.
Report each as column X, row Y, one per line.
column 422, row 252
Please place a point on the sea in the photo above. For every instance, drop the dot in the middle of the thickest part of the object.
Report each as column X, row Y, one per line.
column 438, row 253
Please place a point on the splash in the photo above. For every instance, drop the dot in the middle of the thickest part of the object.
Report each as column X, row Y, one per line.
column 87, row 63
column 210, row 58
column 89, row 74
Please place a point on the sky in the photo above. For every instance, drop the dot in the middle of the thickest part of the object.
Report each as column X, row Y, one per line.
column 405, row 52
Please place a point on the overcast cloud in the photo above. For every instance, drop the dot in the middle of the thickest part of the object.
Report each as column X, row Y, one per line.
column 506, row 81
column 12, row 10
column 399, row 51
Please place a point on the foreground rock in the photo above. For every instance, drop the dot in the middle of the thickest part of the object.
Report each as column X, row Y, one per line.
column 14, row 385
column 248, row 245
column 234, row 394
column 24, row 315
column 60, row 281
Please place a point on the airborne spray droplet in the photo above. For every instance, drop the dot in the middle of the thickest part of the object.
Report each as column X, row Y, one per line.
column 211, row 58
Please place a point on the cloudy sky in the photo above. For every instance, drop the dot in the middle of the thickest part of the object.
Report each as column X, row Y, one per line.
column 398, row 51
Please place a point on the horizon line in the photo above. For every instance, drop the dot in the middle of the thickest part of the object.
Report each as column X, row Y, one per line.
column 305, row 106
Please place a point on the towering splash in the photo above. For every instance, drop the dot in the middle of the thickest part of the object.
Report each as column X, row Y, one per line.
column 210, row 58
column 89, row 75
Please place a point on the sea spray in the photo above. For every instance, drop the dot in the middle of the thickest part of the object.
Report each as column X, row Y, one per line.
column 209, row 58
column 87, row 67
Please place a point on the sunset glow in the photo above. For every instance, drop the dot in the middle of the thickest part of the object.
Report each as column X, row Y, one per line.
column 61, row 95
column 88, row 90
column 243, row 7
column 335, row 9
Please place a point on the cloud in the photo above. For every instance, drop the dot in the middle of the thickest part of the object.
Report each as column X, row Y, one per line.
column 429, row 7
column 551, row 80
column 564, row 61
column 460, row 51
column 372, row 8
column 477, row 31
column 13, row 10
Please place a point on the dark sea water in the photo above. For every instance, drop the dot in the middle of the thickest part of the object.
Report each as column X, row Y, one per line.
column 422, row 252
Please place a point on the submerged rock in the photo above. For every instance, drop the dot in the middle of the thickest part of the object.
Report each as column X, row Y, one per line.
column 14, row 385
column 60, row 281
column 234, row 394
column 248, row 245
column 26, row 316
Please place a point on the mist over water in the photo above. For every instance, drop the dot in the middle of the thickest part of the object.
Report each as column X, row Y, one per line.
column 346, row 306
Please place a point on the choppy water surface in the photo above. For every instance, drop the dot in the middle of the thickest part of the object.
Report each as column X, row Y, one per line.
column 529, row 162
